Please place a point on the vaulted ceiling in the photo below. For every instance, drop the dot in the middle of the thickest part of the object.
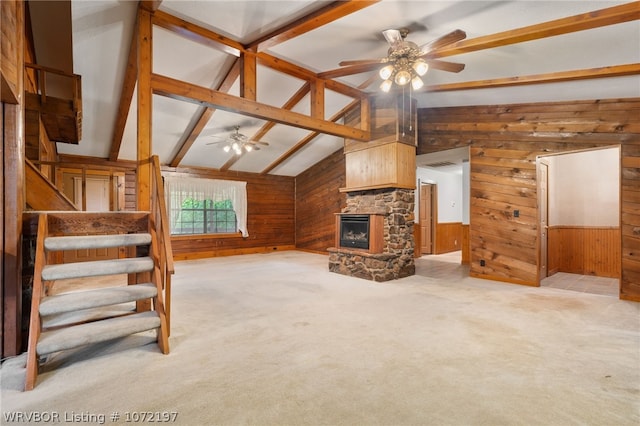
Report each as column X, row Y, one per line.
column 515, row 51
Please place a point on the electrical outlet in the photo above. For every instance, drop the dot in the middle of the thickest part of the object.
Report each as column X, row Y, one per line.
column 482, row 262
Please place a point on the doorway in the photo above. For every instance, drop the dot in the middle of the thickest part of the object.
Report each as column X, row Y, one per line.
column 579, row 220
column 93, row 190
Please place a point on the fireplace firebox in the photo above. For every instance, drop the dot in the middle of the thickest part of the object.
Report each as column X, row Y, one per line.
column 354, row 231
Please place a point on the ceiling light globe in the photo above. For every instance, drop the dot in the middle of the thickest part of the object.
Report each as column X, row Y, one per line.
column 386, row 86
column 416, row 83
column 249, row 148
column 403, row 77
column 227, row 148
column 386, row 72
column 420, row 67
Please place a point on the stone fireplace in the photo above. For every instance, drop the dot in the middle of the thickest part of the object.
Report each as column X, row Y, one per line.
column 380, row 179
column 386, row 218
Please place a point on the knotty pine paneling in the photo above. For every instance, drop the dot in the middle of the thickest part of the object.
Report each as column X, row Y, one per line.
column 448, row 237
column 584, row 250
column 318, row 199
column 505, row 141
column 270, row 217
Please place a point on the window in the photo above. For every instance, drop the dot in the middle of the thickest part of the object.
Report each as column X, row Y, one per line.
column 206, row 206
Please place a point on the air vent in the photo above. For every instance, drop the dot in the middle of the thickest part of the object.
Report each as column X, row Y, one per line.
column 440, row 164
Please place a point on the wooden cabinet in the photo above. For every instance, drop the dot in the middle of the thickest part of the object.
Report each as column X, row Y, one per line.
column 390, row 165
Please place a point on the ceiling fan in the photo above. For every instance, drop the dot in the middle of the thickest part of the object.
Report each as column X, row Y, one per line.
column 406, row 62
column 237, row 142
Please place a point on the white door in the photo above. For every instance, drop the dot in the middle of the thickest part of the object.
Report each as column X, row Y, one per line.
column 97, row 194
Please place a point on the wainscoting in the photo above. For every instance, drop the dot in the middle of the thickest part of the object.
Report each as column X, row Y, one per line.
column 448, row 237
column 584, row 250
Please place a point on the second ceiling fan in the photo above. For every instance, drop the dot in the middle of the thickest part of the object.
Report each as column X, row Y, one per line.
column 406, row 62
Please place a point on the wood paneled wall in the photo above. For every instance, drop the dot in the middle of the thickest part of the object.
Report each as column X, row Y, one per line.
column 584, row 250
column 318, row 198
column 448, row 237
column 270, row 217
column 505, row 140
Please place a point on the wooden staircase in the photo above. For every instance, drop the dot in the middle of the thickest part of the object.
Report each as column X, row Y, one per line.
column 69, row 320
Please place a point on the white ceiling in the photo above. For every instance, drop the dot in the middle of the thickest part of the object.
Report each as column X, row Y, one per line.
column 102, row 32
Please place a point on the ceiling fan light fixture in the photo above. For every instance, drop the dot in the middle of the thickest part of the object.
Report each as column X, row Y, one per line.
column 386, row 72
column 226, row 148
column 386, row 86
column 248, row 148
column 416, row 83
column 420, row 67
column 403, row 77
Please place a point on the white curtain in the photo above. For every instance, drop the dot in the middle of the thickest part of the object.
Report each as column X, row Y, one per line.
column 177, row 189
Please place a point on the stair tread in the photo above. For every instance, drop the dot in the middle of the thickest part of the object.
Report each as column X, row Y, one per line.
column 75, row 242
column 87, row 299
column 96, row 268
column 95, row 332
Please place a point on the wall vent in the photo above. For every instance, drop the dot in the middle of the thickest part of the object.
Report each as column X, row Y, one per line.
column 439, row 164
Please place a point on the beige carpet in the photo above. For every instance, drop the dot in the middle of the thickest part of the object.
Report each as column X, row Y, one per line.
column 276, row 339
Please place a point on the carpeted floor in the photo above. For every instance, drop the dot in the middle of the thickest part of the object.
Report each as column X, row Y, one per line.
column 276, row 339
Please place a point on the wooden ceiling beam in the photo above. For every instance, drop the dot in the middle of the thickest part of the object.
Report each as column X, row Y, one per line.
column 323, row 16
column 204, row 36
column 297, row 71
column 364, row 105
column 289, row 105
column 204, row 116
column 585, row 21
column 150, row 5
column 126, row 96
column 175, row 89
column 197, row 33
column 554, row 77
column 304, row 141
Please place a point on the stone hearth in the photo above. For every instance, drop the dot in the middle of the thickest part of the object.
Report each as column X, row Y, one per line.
column 395, row 259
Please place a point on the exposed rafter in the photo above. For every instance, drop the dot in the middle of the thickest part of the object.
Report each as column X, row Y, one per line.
column 192, row 93
column 323, row 16
column 126, row 96
column 204, row 115
column 585, row 21
column 197, row 33
column 554, row 77
column 289, row 105
column 364, row 106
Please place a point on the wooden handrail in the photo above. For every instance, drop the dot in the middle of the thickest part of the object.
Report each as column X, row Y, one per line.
column 162, row 206
column 41, row 82
column 162, row 236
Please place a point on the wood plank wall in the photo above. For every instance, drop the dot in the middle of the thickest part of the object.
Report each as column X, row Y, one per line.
column 270, row 217
column 584, row 250
column 318, row 198
column 504, row 141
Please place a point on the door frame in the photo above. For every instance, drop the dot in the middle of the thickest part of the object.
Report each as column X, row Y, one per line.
column 433, row 203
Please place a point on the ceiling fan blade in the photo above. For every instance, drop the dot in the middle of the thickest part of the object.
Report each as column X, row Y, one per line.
column 392, row 36
column 363, row 61
column 445, row 40
column 353, row 69
column 445, row 65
